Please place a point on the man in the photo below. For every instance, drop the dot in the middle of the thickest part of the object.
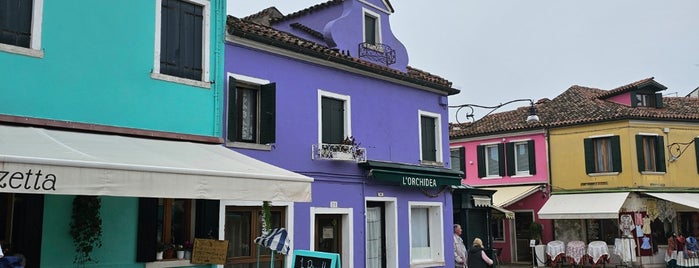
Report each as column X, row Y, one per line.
column 459, row 248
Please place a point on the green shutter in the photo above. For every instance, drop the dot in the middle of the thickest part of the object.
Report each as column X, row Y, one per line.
column 658, row 100
column 428, row 142
column 634, row 101
column 268, row 114
column 232, row 122
column 462, row 160
column 532, row 157
column 333, row 120
column 640, row 156
column 659, row 154
column 616, row 154
column 510, row 158
column 589, row 156
column 501, row 162
column 480, row 151
column 146, row 233
column 696, row 152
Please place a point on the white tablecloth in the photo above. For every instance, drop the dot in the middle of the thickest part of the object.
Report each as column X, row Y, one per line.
column 625, row 248
column 596, row 250
column 575, row 251
column 555, row 248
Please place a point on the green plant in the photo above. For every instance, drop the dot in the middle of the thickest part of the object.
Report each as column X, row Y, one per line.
column 86, row 228
column 353, row 146
column 536, row 230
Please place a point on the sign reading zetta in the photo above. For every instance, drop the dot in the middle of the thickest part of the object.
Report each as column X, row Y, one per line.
column 31, row 180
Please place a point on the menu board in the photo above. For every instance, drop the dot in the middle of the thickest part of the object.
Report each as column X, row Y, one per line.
column 209, row 251
column 315, row 259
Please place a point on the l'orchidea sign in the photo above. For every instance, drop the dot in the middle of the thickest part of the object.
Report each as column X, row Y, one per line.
column 209, row 251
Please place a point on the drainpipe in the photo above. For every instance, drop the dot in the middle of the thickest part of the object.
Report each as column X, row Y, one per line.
column 217, row 83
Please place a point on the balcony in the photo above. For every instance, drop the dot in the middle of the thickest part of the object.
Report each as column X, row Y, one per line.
column 377, row 52
column 338, row 152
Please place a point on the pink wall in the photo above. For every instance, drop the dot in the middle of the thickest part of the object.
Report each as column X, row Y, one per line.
column 624, row 99
column 471, row 161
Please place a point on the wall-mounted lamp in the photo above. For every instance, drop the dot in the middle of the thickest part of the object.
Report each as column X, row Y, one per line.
column 531, row 118
column 544, row 189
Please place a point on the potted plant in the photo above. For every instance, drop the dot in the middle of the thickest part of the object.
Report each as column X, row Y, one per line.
column 188, row 246
column 160, row 248
column 536, row 230
column 349, row 149
column 180, row 251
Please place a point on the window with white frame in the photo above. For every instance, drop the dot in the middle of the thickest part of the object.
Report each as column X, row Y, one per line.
column 182, row 39
column 426, row 232
column 491, row 162
column 20, row 26
column 520, row 158
column 333, row 117
column 251, row 110
column 430, row 137
column 458, row 156
column 372, row 27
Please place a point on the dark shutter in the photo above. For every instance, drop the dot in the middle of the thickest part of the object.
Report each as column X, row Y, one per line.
column 658, row 100
column 480, row 151
column 589, row 156
column 696, row 152
column 532, row 157
column 462, row 160
column 232, row 128
column 634, row 100
column 640, row 155
column 501, row 159
column 268, row 115
column 181, row 39
column 659, row 154
column 370, row 29
column 429, row 143
column 16, row 22
column 333, row 120
column 147, row 229
column 616, row 154
column 510, row 156
column 206, row 219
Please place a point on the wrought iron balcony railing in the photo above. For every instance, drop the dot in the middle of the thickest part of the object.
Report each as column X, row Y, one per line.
column 377, row 52
column 343, row 152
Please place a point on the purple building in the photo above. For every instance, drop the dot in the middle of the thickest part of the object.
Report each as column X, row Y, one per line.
column 327, row 92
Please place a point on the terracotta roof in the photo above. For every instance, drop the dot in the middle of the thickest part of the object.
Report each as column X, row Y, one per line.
column 576, row 106
column 308, row 10
column 308, row 30
column 634, row 85
column 270, row 36
column 263, row 17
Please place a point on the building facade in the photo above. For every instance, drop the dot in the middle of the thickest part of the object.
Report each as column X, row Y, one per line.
column 125, row 109
column 326, row 92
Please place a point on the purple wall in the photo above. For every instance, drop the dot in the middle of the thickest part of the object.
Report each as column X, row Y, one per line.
column 384, row 120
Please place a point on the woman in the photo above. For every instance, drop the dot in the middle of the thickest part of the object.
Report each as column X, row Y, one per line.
column 477, row 257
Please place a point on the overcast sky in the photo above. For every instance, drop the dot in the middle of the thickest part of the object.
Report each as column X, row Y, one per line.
column 496, row 51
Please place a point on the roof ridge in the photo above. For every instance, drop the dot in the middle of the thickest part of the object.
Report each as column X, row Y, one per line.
column 307, row 10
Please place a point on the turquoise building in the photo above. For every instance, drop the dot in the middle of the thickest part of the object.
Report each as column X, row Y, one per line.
column 122, row 100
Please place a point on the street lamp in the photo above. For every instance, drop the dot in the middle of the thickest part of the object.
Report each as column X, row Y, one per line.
column 531, row 118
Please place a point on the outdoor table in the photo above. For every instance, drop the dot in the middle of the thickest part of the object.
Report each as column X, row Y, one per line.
column 598, row 252
column 555, row 249
column 575, row 252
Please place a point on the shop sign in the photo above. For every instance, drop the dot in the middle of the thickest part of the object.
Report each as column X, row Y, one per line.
column 29, row 180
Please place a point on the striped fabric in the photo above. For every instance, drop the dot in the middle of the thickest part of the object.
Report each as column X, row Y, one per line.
column 276, row 240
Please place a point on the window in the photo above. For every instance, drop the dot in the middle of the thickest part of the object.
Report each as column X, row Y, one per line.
column 334, row 117
column 173, row 221
column 498, row 229
column 182, row 39
column 491, row 161
column 457, row 156
column 426, row 234
column 243, row 225
column 602, row 155
column 21, row 219
column 650, row 152
column 20, row 26
column 430, row 137
column 520, row 158
column 647, row 100
column 251, row 110
column 372, row 30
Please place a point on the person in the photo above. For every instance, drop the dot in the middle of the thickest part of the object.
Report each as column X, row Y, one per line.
column 459, row 248
column 476, row 257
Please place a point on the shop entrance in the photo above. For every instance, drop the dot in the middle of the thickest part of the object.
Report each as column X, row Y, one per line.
column 328, row 233
column 523, row 221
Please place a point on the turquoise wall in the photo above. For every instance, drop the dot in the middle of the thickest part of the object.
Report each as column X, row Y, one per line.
column 98, row 57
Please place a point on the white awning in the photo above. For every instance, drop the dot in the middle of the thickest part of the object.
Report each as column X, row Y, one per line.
column 686, row 199
column 583, row 206
column 508, row 195
column 43, row 161
column 485, row 201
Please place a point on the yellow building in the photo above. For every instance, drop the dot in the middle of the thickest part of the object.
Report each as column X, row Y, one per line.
column 624, row 169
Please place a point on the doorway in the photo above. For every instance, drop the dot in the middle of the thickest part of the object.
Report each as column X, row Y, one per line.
column 523, row 221
column 331, row 231
column 328, row 233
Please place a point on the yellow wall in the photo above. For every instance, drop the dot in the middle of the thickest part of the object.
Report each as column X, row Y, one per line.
column 567, row 157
